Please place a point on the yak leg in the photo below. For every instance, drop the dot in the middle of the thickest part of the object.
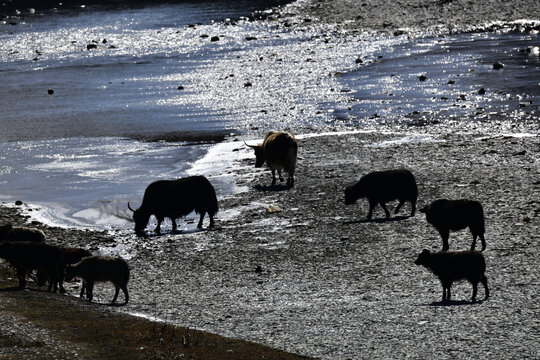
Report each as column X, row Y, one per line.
column 279, row 174
column 401, row 202
column 174, row 226
column 474, row 290
column 290, row 180
column 199, row 225
column 21, row 274
column 413, row 206
column 273, row 177
column 473, row 245
column 90, row 290
column 211, row 221
column 445, row 233
column 483, row 241
column 117, row 290
column 383, row 205
column 485, row 283
column 372, row 205
column 126, row 295
column 83, row 286
column 157, row 230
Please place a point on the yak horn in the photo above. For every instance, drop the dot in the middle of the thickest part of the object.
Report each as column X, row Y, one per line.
column 129, row 207
column 251, row 146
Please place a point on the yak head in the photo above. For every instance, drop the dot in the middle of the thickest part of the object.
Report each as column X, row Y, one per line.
column 141, row 219
column 423, row 258
column 260, row 157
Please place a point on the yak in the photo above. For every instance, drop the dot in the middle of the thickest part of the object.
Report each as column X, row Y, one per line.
column 446, row 215
column 98, row 269
column 8, row 232
column 279, row 150
column 174, row 199
column 380, row 187
column 29, row 255
column 453, row 266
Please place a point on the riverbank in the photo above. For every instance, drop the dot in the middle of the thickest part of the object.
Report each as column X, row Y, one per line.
column 316, row 279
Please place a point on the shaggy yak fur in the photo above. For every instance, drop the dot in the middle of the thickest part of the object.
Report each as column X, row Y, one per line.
column 98, row 269
column 453, row 266
column 379, row 187
column 446, row 215
column 279, row 150
column 174, row 199
column 28, row 255
column 9, row 232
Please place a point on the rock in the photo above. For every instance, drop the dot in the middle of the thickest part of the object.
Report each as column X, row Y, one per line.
column 248, row 84
column 180, row 87
column 498, row 65
column 482, row 91
column 251, row 38
column 50, row 91
column 204, row 36
column 359, row 61
column 258, row 269
column 104, row 41
column 214, row 38
column 18, row 202
column 91, row 46
column 451, row 82
column 522, row 152
column 422, row 78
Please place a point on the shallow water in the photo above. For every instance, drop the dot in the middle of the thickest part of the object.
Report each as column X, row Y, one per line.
column 144, row 103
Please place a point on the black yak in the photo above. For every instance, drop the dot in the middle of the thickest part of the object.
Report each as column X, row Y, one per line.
column 28, row 255
column 174, row 199
column 380, row 187
column 453, row 266
column 279, row 150
column 70, row 256
column 446, row 215
column 101, row 268
column 9, row 232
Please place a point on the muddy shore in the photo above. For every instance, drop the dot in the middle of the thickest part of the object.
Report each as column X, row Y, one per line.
column 334, row 285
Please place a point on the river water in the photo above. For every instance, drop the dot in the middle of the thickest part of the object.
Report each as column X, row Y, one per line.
column 97, row 102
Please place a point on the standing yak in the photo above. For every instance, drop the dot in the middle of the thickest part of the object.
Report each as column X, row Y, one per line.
column 279, row 150
column 174, row 199
column 379, row 187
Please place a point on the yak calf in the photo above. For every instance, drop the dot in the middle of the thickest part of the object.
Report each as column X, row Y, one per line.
column 9, row 232
column 379, row 187
column 453, row 266
column 174, row 199
column 446, row 215
column 28, row 255
column 98, row 269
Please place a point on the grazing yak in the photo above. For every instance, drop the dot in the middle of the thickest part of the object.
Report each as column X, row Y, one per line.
column 9, row 232
column 28, row 255
column 279, row 150
column 174, row 199
column 98, row 269
column 380, row 187
column 446, row 215
column 453, row 266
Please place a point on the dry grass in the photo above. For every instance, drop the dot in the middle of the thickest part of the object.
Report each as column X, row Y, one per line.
column 44, row 325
